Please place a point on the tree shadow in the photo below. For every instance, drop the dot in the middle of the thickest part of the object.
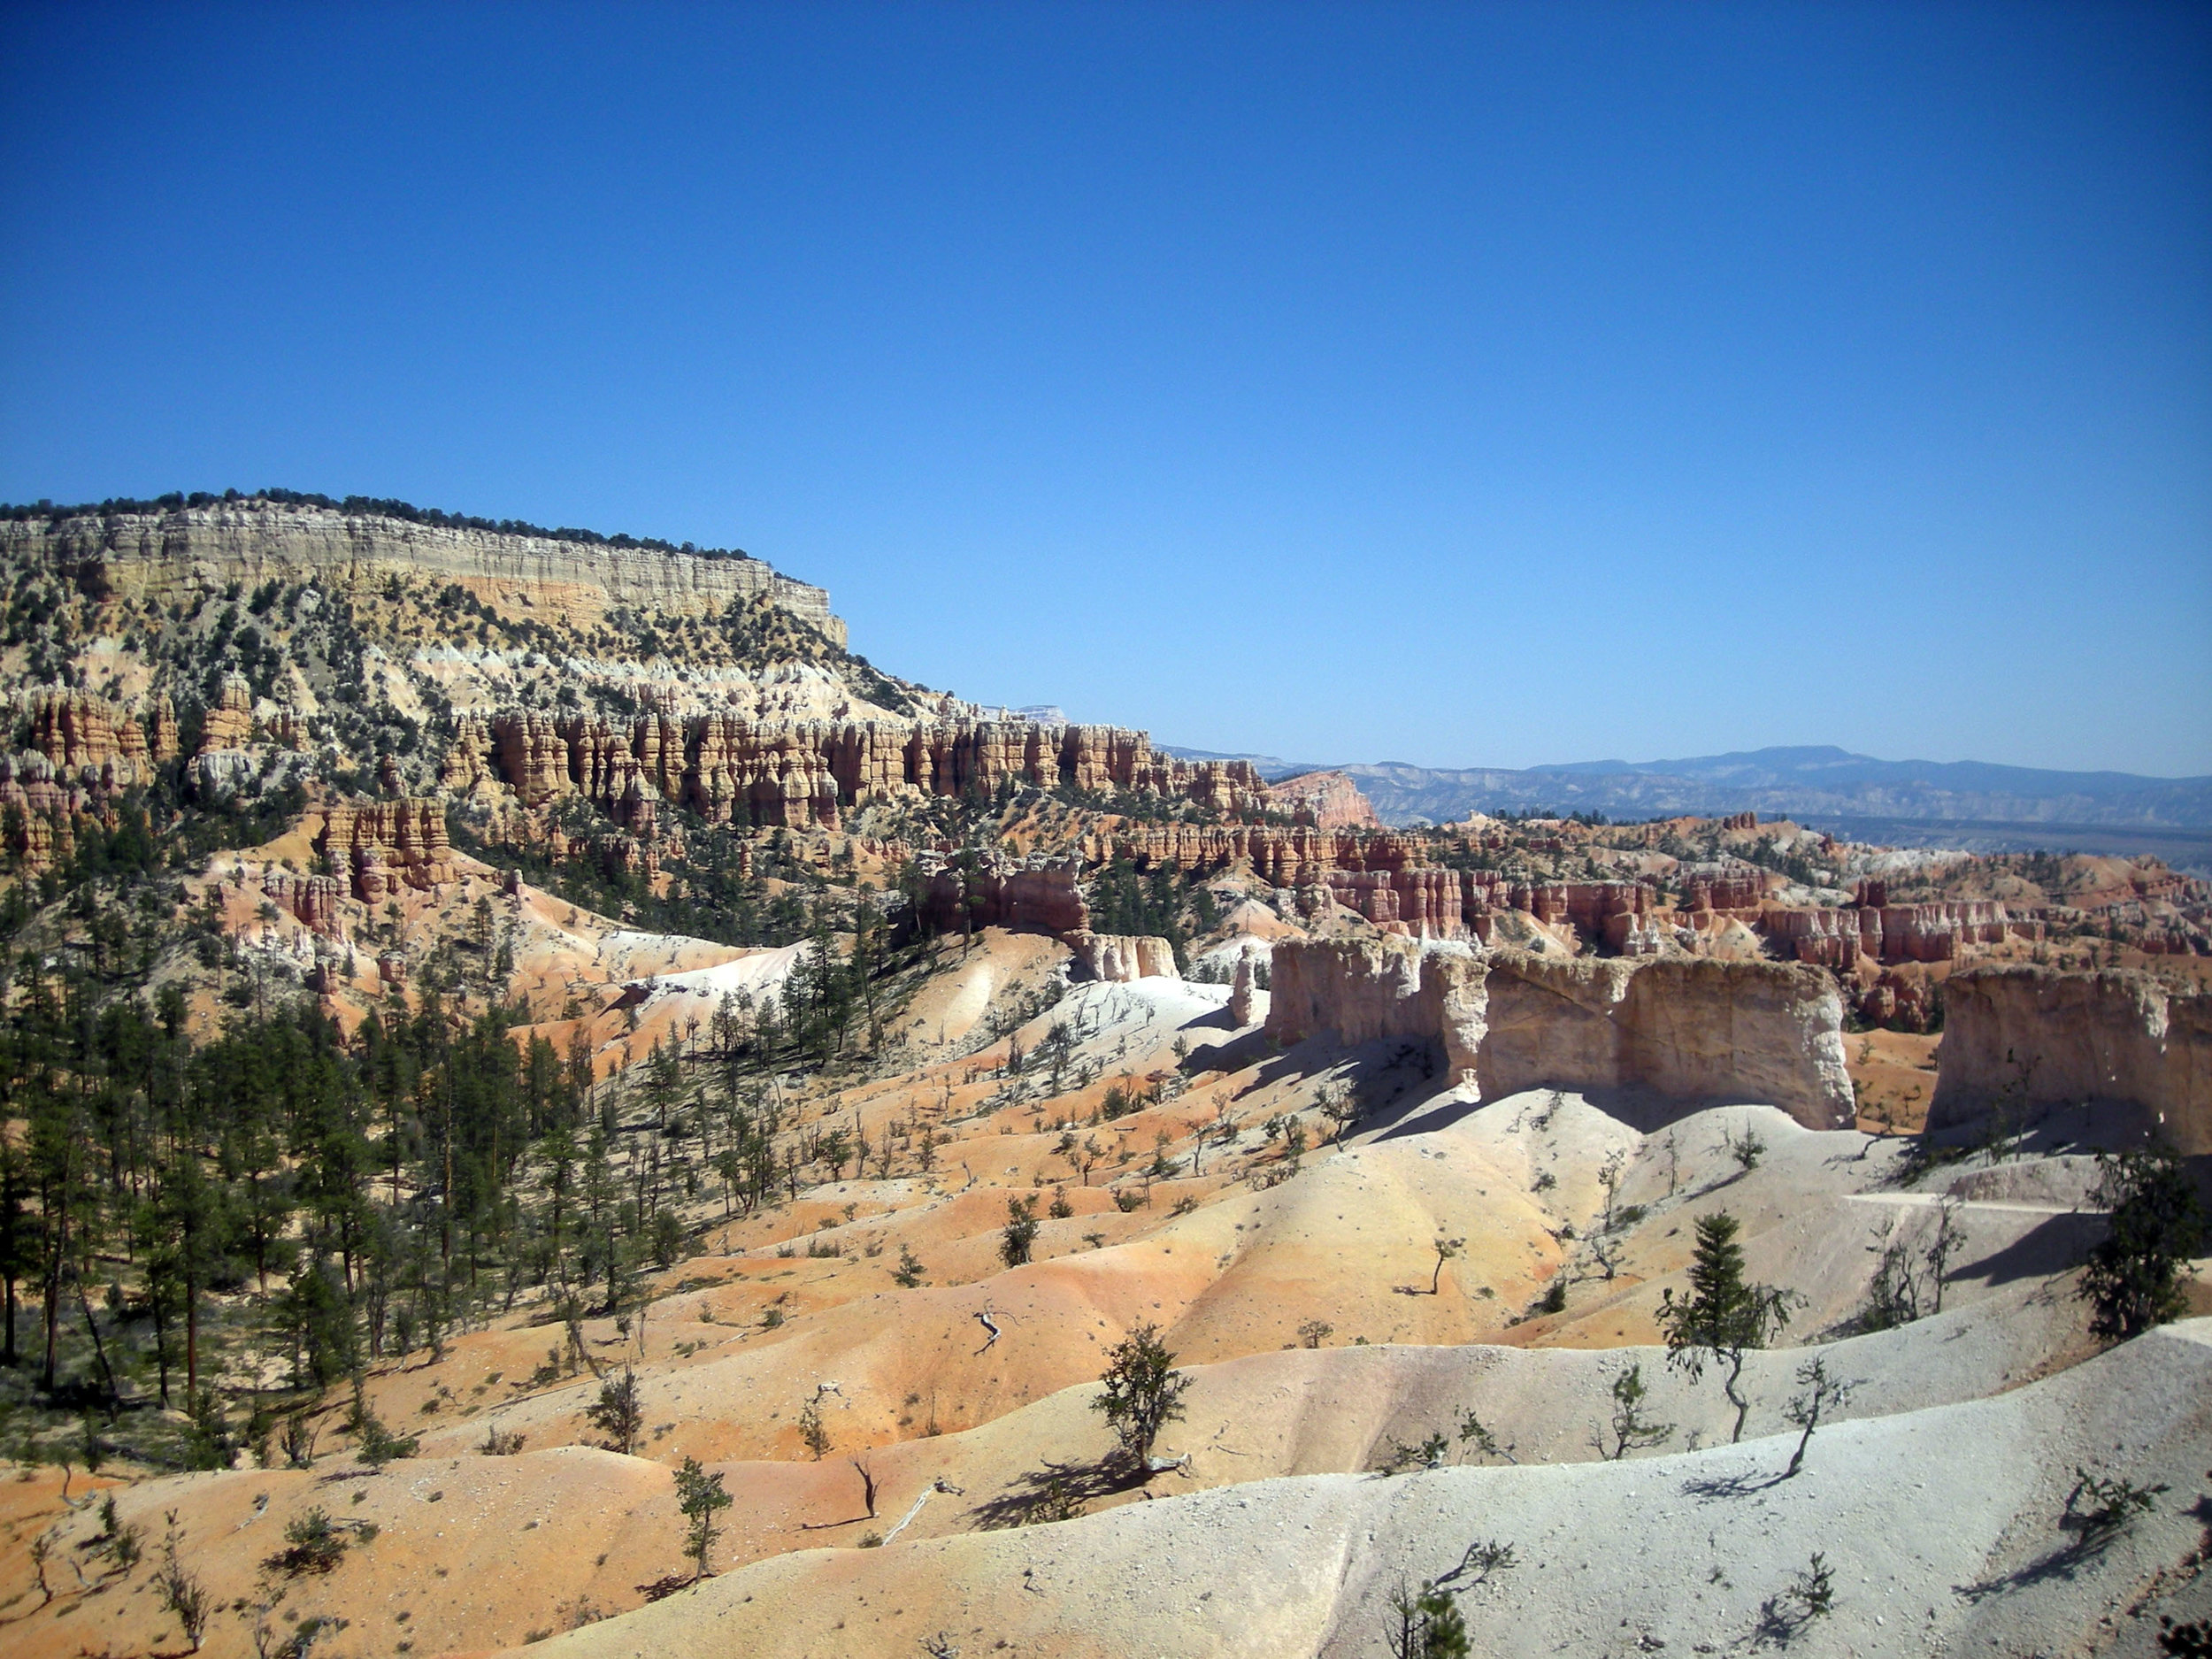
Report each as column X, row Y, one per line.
column 1055, row 1492
column 1732, row 1485
column 2053, row 1246
column 2065, row 1562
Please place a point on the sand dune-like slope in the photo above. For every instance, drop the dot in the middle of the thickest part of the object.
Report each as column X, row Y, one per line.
column 1944, row 1530
column 476, row 1551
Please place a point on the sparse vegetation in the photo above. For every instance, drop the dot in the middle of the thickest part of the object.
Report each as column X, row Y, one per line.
column 2134, row 1276
column 1724, row 1316
column 619, row 1412
column 1817, row 1393
column 1019, row 1234
column 1425, row 1624
column 1631, row 1430
column 1142, row 1393
column 700, row 1498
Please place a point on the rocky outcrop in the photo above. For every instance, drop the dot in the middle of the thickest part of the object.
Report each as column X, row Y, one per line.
column 1118, row 958
column 78, row 732
column 312, row 900
column 1722, row 887
column 1244, row 991
column 382, row 846
column 2033, row 1036
column 1507, row 1020
column 1327, row 800
column 807, row 774
column 161, row 554
column 1931, row 931
column 229, row 724
column 1041, row 898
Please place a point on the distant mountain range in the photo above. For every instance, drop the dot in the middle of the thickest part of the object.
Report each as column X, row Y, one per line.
column 1963, row 803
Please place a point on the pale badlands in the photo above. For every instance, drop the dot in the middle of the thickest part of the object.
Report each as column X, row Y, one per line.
column 1937, row 1494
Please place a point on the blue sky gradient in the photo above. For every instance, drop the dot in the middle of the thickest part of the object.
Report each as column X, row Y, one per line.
column 1475, row 385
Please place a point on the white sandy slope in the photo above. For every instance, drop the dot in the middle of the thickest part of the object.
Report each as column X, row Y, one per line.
column 1944, row 1529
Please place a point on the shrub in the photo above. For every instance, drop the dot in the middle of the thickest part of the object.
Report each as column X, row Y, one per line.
column 313, row 1543
column 1020, row 1233
column 1143, row 1392
column 2133, row 1275
column 618, row 1413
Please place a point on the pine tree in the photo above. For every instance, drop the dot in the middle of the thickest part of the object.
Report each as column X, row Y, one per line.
column 1724, row 1316
column 1143, row 1393
column 699, row 1496
column 2133, row 1275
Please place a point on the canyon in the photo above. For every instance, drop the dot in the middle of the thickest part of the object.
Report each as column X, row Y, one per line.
column 514, row 1030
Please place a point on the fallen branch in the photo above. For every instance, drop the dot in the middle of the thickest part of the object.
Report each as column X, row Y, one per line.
column 928, row 1491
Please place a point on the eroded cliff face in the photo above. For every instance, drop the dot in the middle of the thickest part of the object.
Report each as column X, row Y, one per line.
column 2035, row 1036
column 1327, row 800
column 193, row 549
column 1118, row 958
column 1509, row 1020
column 806, row 774
column 1043, row 897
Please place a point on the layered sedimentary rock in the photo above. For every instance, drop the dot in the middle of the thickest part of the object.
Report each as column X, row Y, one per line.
column 1042, row 897
column 312, row 900
column 1722, row 887
column 1507, row 1020
column 195, row 550
column 807, row 774
column 76, row 730
column 229, row 724
column 1929, row 931
column 381, row 846
column 2033, row 1036
column 1327, row 800
column 1118, row 958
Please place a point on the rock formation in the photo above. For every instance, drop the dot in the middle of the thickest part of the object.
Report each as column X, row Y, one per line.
column 1042, row 897
column 230, row 722
column 80, row 733
column 1929, row 931
column 1244, row 991
column 382, row 846
column 1506, row 1020
column 1327, row 800
column 312, row 900
column 2033, row 1036
column 1118, row 958
column 807, row 774
column 162, row 555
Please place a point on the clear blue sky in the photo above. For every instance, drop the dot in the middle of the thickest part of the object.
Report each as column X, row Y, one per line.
column 1467, row 385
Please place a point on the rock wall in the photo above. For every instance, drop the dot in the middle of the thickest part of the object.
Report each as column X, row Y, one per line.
column 1506, row 1020
column 197, row 549
column 806, row 774
column 2043, row 1037
column 1118, row 958
column 1327, row 800
column 378, row 847
column 1039, row 897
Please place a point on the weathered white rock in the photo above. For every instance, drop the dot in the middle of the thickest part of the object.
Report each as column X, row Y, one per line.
column 1121, row 957
column 1509, row 1020
column 2040, row 1037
